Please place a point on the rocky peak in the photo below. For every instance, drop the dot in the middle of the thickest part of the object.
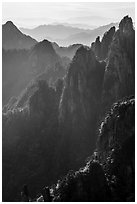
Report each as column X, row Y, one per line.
column 10, row 27
column 119, row 79
column 122, row 116
column 126, row 24
column 9, row 23
column 43, row 58
column 96, row 47
column 83, row 59
column 13, row 38
column 101, row 48
column 106, row 42
column 44, row 46
column 80, row 104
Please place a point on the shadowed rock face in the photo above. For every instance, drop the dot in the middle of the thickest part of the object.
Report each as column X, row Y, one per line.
column 101, row 48
column 29, row 140
column 106, row 42
column 116, row 149
column 80, row 105
column 87, row 184
column 59, row 133
column 118, row 125
column 119, row 78
column 96, row 47
column 110, row 173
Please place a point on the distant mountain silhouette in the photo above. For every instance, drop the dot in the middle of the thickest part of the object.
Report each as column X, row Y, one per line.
column 13, row 38
column 66, row 35
column 85, row 37
column 52, row 31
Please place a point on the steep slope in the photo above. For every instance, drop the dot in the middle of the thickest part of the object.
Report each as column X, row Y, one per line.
column 22, row 66
column 116, row 149
column 15, row 73
column 13, row 38
column 119, row 78
column 80, row 106
column 109, row 175
column 29, row 140
column 44, row 60
column 55, row 130
column 101, row 48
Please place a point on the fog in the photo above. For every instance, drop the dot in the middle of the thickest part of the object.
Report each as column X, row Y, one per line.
column 92, row 14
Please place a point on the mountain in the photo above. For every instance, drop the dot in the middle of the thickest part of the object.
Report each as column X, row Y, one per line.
column 22, row 66
column 29, row 138
column 43, row 59
column 52, row 31
column 80, row 106
column 67, row 35
column 50, row 130
column 91, row 20
column 85, row 37
column 101, row 48
column 13, row 38
column 119, row 78
column 79, row 25
column 109, row 175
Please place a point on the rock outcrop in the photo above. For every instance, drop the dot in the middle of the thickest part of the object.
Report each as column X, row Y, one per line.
column 57, row 127
column 116, row 149
column 119, row 78
column 80, row 105
column 110, row 173
column 101, row 48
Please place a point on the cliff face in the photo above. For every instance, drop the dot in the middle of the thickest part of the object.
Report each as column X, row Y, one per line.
column 101, row 48
column 80, row 104
column 119, row 78
column 116, row 149
column 110, row 173
column 118, row 125
column 58, row 127
column 29, row 140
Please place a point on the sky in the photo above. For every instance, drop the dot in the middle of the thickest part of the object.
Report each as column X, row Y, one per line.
column 32, row 14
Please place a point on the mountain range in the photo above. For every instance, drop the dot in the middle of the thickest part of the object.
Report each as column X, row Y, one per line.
column 66, row 35
column 50, row 129
column 25, row 59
